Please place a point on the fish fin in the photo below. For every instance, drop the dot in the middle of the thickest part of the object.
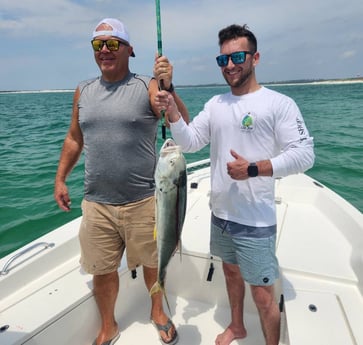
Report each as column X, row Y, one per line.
column 181, row 202
column 155, row 232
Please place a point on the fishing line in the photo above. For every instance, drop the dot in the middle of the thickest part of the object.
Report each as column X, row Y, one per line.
column 160, row 52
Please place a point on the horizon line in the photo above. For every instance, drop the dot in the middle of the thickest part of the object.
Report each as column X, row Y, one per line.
column 286, row 82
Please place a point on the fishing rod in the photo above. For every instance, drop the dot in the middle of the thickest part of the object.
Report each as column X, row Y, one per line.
column 158, row 28
column 160, row 53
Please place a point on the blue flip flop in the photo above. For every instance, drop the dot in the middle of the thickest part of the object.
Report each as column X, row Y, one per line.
column 166, row 328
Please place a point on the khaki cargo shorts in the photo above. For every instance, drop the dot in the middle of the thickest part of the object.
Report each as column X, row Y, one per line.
column 107, row 230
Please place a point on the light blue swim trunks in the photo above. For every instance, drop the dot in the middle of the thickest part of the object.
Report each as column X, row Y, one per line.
column 252, row 248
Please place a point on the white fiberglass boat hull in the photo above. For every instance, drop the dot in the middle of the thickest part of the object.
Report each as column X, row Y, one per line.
column 45, row 298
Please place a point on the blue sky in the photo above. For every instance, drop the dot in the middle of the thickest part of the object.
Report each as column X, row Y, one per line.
column 46, row 44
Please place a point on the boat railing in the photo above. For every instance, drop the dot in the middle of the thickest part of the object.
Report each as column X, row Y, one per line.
column 44, row 245
column 198, row 164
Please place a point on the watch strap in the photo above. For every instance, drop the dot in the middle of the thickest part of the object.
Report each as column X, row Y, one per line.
column 171, row 88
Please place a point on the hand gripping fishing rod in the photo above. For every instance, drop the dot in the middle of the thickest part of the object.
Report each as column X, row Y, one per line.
column 160, row 52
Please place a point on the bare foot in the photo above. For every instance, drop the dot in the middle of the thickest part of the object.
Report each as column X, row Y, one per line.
column 229, row 335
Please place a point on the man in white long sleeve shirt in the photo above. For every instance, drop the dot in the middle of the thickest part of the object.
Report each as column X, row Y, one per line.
column 255, row 134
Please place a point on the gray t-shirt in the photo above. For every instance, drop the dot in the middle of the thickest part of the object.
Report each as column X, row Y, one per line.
column 119, row 132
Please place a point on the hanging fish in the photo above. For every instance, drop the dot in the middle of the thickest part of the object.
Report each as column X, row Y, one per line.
column 171, row 199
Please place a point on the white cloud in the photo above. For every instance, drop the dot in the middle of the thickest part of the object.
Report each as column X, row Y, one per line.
column 348, row 54
column 297, row 40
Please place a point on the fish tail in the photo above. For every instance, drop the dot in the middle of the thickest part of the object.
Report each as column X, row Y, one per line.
column 157, row 288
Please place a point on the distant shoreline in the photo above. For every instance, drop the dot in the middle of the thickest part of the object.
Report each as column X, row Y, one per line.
column 37, row 91
column 320, row 82
column 293, row 82
column 277, row 83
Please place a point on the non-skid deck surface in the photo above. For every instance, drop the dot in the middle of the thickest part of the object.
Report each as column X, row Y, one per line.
column 199, row 308
column 197, row 324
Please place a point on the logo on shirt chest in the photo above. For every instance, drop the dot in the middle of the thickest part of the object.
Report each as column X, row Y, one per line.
column 248, row 122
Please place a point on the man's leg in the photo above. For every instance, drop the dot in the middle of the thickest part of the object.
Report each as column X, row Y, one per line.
column 105, row 288
column 236, row 292
column 157, row 311
column 268, row 311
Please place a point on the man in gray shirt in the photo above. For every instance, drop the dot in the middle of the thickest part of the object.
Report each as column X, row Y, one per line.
column 115, row 121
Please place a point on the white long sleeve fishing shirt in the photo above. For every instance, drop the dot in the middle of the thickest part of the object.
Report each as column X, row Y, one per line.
column 261, row 125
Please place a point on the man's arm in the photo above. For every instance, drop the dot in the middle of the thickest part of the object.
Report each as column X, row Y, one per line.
column 72, row 148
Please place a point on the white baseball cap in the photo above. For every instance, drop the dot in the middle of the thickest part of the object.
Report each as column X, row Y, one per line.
column 119, row 30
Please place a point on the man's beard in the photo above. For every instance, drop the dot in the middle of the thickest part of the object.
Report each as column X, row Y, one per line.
column 239, row 82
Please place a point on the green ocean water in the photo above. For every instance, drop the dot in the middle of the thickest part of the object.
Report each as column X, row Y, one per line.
column 33, row 127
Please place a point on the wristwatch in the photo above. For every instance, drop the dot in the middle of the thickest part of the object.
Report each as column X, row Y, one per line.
column 252, row 170
column 171, row 88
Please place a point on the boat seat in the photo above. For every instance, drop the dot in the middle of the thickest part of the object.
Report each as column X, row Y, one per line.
column 315, row 315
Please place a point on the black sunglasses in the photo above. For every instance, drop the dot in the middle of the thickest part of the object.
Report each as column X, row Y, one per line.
column 237, row 58
column 111, row 44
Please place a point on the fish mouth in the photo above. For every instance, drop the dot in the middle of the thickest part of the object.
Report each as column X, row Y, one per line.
column 168, row 143
column 168, row 147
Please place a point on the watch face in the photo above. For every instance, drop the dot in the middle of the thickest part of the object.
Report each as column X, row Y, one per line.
column 252, row 170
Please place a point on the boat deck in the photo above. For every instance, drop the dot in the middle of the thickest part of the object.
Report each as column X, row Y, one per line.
column 319, row 249
column 198, row 320
column 47, row 299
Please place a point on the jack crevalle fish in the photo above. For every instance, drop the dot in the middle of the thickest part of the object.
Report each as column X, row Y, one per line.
column 171, row 198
